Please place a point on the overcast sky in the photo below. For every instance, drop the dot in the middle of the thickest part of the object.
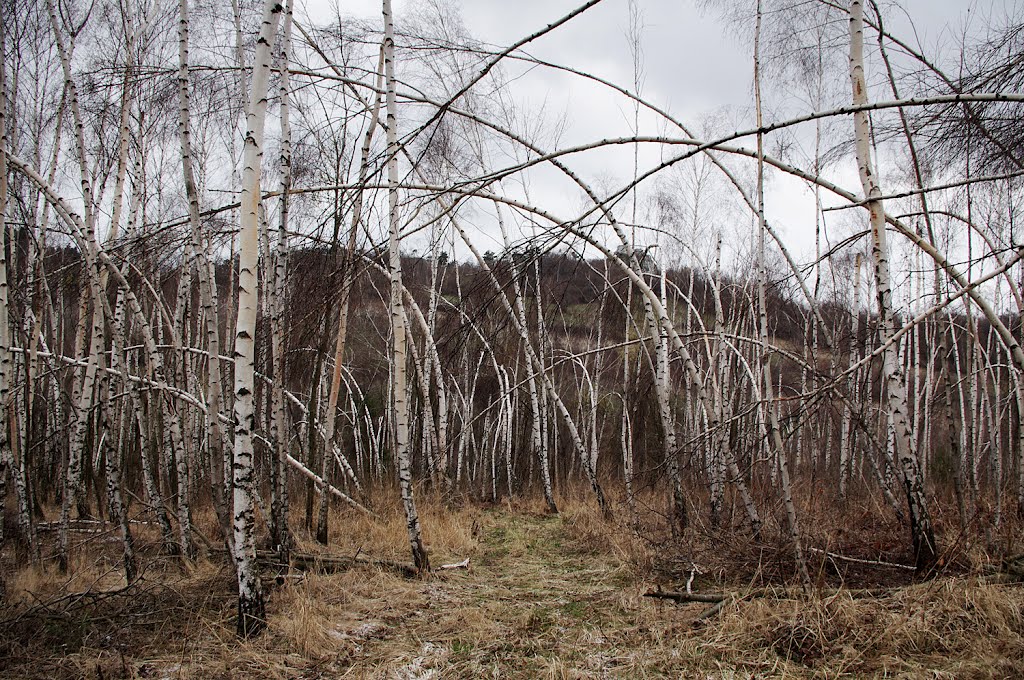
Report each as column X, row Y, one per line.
column 693, row 66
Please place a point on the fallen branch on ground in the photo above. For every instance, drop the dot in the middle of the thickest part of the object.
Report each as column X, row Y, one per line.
column 330, row 564
column 773, row 593
column 711, row 611
column 686, row 597
column 464, row 564
column 858, row 560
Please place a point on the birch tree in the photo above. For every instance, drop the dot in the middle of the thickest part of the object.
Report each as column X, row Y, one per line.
column 251, row 608
column 398, row 327
column 7, row 463
column 922, row 534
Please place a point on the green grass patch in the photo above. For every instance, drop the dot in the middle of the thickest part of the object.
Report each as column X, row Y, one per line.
column 576, row 610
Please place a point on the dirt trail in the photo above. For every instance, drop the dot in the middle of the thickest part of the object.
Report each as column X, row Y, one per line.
column 532, row 605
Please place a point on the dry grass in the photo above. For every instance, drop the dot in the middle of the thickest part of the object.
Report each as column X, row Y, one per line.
column 951, row 628
column 546, row 597
column 447, row 530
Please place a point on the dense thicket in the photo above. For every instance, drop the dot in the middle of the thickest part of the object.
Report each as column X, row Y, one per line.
column 270, row 267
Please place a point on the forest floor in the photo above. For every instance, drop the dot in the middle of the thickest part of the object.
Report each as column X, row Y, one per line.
column 544, row 597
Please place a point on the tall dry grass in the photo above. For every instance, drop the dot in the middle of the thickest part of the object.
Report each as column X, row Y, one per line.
column 545, row 597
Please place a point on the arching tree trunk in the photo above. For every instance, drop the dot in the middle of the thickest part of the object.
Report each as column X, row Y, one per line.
column 922, row 535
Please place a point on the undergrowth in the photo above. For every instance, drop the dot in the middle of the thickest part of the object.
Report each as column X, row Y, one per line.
column 545, row 596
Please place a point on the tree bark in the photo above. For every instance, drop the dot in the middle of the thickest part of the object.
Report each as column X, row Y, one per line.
column 398, row 329
column 922, row 534
column 251, row 609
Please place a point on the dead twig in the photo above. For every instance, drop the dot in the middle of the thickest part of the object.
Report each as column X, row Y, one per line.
column 858, row 560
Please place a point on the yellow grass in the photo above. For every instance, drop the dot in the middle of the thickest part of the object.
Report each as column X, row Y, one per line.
column 546, row 597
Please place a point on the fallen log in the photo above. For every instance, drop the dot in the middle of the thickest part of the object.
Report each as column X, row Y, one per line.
column 281, row 579
column 687, row 597
column 711, row 611
column 716, row 600
column 86, row 525
column 1014, row 566
column 331, row 564
column 775, row 593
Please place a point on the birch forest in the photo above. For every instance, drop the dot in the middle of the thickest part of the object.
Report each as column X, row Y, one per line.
column 333, row 344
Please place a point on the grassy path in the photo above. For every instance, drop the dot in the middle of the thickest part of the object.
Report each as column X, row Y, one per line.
column 547, row 598
column 532, row 605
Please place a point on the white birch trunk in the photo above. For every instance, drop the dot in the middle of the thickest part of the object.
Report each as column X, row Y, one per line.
column 398, row 328
column 280, row 535
column 7, row 463
column 662, row 381
column 923, row 539
column 251, row 611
